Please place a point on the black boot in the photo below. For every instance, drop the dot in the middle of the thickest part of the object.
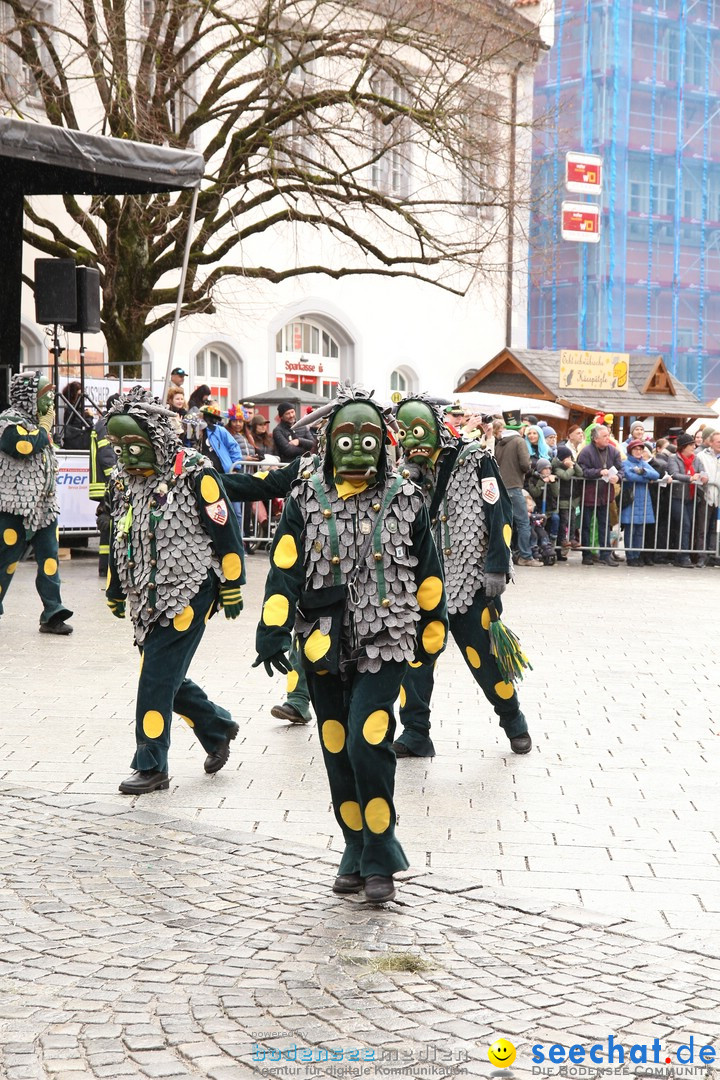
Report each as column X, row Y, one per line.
column 378, row 889
column 142, row 781
column 345, row 884
column 215, row 761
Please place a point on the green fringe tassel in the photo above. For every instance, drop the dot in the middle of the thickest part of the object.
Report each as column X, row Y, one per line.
column 506, row 649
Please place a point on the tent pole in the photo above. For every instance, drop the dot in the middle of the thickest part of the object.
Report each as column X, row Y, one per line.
column 181, row 291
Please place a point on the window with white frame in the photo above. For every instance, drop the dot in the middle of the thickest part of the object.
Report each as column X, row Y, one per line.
column 213, row 369
column 307, row 357
column 39, row 28
column 477, row 175
column 391, row 171
column 398, row 382
column 184, row 102
column 296, row 75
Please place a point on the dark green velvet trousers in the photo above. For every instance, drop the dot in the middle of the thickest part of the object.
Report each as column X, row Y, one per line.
column 473, row 639
column 357, row 726
column 14, row 544
column 164, row 688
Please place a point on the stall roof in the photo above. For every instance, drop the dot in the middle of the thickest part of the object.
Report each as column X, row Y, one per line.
column 535, row 373
column 41, row 159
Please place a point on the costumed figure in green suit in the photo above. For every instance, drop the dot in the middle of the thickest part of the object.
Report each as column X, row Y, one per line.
column 471, row 518
column 175, row 558
column 29, row 506
column 355, row 575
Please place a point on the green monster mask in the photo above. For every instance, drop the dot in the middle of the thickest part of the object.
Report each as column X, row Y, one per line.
column 132, row 446
column 356, row 441
column 45, row 396
column 418, row 431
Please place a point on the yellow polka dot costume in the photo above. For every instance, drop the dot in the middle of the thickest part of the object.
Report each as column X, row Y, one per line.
column 175, row 558
column 28, row 497
column 472, row 525
column 355, row 575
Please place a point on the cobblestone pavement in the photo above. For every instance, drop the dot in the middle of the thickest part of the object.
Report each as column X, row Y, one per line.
column 615, row 809
column 135, row 946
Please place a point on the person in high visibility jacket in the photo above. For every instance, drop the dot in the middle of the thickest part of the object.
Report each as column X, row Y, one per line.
column 102, row 463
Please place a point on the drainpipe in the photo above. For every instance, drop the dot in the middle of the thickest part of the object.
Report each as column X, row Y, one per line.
column 511, row 205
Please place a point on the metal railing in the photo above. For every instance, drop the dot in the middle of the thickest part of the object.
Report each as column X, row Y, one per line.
column 259, row 519
column 664, row 520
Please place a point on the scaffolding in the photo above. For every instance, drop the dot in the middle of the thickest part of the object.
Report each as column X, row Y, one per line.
column 639, row 84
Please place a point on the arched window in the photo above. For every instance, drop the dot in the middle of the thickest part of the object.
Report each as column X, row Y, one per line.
column 466, row 375
column 403, row 380
column 307, row 357
column 212, row 368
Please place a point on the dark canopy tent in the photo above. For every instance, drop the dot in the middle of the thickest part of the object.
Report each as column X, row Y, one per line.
column 37, row 159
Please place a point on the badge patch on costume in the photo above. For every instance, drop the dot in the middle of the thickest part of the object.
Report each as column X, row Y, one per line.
column 217, row 512
column 490, row 491
column 365, row 527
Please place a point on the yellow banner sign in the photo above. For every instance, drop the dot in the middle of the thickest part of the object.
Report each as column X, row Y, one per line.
column 593, row 370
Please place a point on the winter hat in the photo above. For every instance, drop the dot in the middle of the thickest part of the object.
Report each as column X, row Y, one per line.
column 563, row 452
column 635, row 443
column 684, row 440
column 549, row 430
column 707, row 432
column 541, row 463
column 284, row 407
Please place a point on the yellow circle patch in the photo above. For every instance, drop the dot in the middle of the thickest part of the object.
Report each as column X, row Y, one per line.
column 507, row 534
column 350, row 813
column 473, row 657
column 10, row 537
column 209, row 489
column 377, row 815
column 430, row 593
column 153, row 724
column 275, row 610
column 187, row 720
column 485, row 619
column 415, row 663
column 21, row 430
column 292, row 681
column 23, row 446
column 504, row 690
column 403, row 697
column 286, row 552
column 375, row 727
column 12, row 568
column 231, row 566
column 333, row 736
column 183, row 620
column 50, row 567
column 433, row 637
column 316, row 646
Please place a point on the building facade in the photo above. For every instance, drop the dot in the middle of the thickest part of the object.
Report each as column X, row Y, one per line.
column 638, row 83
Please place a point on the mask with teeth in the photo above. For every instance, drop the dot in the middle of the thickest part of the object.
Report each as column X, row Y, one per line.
column 418, row 431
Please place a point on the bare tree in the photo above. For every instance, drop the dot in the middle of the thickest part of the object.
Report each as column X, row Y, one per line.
column 383, row 125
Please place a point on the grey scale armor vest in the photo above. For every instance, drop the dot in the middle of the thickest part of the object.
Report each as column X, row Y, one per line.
column 164, row 557
column 382, row 611
column 28, row 485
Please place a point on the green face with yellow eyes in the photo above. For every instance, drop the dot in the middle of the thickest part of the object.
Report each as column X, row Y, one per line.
column 355, row 442
column 418, row 431
column 132, row 446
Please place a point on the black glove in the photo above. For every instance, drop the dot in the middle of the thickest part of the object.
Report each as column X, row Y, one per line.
column 277, row 662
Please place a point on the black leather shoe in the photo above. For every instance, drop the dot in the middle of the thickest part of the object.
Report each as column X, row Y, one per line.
column 61, row 628
column 521, row 744
column 401, row 750
column 378, row 890
column 289, row 712
column 215, row 761
column 348, row 883
column 142, row 781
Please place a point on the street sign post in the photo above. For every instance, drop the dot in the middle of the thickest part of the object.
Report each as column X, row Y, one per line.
column 583, row 173
column 580, row 222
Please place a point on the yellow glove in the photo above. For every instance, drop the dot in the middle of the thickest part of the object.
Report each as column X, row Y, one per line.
column 231, row 600
column 117, row 607
column 47, row 421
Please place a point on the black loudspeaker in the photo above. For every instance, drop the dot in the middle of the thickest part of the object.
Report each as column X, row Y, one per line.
column 88, row 302
column 55, row 291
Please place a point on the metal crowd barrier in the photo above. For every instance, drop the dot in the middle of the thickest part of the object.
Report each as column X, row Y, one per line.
column 593, row 521
column 259, row 519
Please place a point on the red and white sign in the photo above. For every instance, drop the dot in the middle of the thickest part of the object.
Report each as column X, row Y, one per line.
column 580, row 221
column 583, row 173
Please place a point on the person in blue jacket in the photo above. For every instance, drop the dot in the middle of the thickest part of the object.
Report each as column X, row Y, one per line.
column 217, row 443
column 637, row 508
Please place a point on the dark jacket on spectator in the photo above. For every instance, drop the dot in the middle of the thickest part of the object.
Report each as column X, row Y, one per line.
column 282, row 435
column 592, row 461
column 513, row 458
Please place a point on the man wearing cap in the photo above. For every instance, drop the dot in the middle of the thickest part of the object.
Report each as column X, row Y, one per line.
column 513, row 458
column 177, row 377
column 290, row 444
